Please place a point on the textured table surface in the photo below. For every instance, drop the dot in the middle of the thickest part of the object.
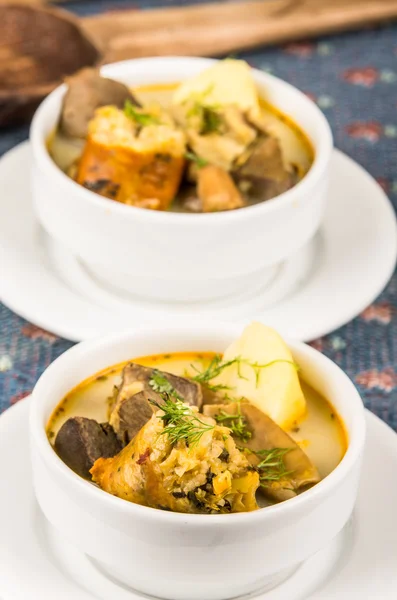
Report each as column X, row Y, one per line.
column 353, row 78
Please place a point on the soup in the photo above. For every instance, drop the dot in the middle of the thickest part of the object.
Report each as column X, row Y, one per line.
column 205, row 145
column 178, row 437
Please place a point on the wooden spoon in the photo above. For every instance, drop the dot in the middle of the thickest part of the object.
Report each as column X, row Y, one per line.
column 39, row 46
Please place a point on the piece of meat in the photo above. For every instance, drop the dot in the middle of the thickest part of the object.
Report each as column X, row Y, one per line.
column 216, row 190
column 130, row 415
column 188, row 389
column 209, row 476
column 265, row 160
column 263, row 174
column 86, row 92
column 130, row 162
column 80, row 442
column 133, row 408
column 266, row 435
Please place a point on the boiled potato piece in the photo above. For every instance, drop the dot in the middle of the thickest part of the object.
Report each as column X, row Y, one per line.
column 274, row 389
column 227, row 82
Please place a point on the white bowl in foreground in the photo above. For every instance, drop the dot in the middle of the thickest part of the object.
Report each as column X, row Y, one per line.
column 171, row 256
column 183, row 556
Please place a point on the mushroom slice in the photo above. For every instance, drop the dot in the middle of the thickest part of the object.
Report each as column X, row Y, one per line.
column 261, row 171
column 86, row 92
column 297, row 471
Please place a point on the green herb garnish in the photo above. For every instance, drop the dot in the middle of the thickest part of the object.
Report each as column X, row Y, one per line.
column 214, row 369
column 200, row 162
column 236, row 423
column 217, row 365
column 181, row 423
column 141, row 118
column 271, row 465
column 160, row 384
column 210, row 119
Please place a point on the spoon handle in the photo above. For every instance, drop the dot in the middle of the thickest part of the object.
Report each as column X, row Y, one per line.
column 221, row 28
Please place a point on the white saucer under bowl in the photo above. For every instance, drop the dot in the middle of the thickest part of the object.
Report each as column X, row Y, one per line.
column 322, row 287
column 36, row 564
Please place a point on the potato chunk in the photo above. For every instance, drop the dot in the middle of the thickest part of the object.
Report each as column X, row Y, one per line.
column 219, row 83
column 274, row 389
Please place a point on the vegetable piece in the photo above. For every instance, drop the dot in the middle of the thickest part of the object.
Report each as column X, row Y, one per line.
column 220, row 150
column 197, row 470
column 217, row 85
column 275, row 390
column 80, row 442
column 285, row 467
column 86, row 92
column 127, row 161
column 216, row 190
column 214, row 107
column 133, row 409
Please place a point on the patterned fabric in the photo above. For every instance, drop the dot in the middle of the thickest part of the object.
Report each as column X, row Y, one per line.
column 353, row 78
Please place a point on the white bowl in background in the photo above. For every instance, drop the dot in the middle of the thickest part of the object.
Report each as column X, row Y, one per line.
column 171, row 256
column 184, row 556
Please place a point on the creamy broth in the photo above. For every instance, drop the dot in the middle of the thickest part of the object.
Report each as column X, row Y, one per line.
column 320, row 433
column 296, row 148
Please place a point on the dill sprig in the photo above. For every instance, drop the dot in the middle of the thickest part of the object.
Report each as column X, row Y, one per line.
column 210, row 119
column 181, row 423
column 160, row 384
column 217, row 365
column 199, row 162
column 141, row 118
column 271, row 466
column 237, row 424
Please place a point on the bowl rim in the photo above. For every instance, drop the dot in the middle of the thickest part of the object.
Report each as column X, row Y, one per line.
column 319, row 491
column 48, row 166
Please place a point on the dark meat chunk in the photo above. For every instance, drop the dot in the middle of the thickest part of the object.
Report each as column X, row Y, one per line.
column 80, row 442
column 263, row 175
column 189, row 390
column 133, row 409
column 86, row 92
column 132, row 414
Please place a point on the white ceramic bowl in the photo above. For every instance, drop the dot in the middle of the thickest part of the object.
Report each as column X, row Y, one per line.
column 181, row 257
column 191, row 557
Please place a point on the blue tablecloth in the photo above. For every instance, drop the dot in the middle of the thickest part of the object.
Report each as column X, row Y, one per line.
column 353, row 78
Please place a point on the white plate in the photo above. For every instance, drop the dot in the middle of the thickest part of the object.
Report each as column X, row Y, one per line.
column 36, row 564
column 323, row 287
